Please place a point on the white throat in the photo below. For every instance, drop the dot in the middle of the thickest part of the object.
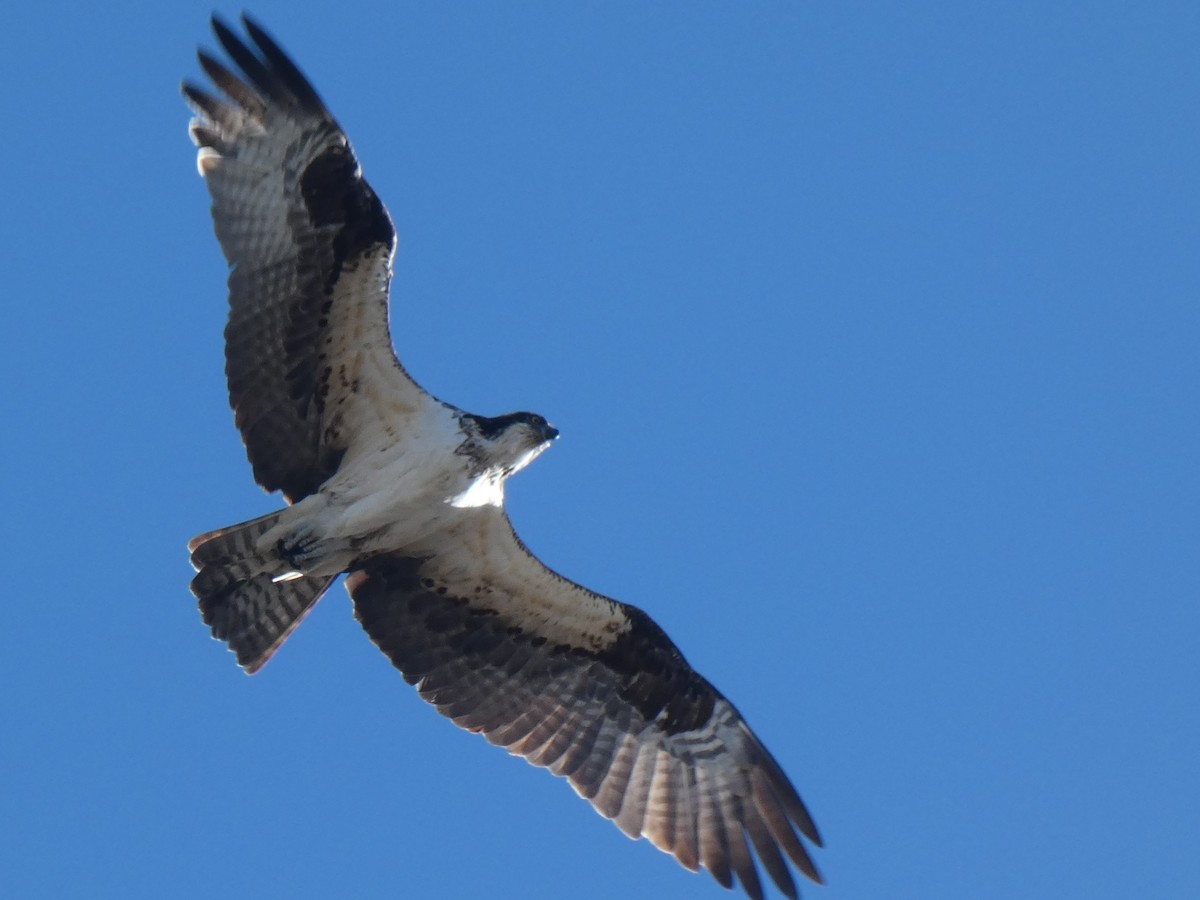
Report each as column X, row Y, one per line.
column 486, row 490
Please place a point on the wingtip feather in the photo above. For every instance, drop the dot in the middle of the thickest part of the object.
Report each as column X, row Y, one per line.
column 283, row 68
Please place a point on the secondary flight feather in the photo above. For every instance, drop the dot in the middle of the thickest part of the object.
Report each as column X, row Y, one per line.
column 405, row 494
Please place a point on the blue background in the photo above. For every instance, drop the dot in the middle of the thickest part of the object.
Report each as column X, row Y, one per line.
column 872, row 332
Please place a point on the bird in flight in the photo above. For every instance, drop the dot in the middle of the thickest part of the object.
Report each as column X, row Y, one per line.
column 404, row 494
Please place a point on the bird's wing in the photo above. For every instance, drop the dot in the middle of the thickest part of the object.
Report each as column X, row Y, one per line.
column 590, row 688
column 309, row 244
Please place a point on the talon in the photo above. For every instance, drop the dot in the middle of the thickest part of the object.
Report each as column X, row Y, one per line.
column 295, row 550
column 285, row 551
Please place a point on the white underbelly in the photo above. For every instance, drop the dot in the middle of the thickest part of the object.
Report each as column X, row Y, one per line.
column 386, row 499
column 402, row 481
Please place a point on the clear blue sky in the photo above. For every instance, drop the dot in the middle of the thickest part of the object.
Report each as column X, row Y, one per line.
column 872, row 332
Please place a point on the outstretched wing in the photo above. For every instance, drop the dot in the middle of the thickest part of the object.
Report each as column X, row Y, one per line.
column 310, row 247
column 590, row 688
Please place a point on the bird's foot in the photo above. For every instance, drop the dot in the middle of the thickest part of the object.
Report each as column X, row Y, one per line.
column 302, row 549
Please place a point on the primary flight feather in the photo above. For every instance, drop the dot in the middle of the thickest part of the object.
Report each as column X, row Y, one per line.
column 405, row 494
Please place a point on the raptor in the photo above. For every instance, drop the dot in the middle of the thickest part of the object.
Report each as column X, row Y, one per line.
column 405, row 495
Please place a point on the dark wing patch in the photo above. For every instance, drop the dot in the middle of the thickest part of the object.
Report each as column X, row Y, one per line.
column 635, row 729
column 292, row 213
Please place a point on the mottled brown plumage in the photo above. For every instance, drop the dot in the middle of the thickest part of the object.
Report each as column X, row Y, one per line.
column 291, row 211
column 600, row 696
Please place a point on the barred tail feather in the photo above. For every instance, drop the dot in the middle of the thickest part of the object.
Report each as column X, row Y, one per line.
column 239, row 598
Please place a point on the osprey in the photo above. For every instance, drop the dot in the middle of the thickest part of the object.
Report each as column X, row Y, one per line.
column 405, row 494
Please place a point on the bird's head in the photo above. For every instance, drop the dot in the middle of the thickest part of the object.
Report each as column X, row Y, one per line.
column 510, row 443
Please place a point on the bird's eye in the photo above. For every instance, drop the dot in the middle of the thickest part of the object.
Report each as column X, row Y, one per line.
column 537, row 421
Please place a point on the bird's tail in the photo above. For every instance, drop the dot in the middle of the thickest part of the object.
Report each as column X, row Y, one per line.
column 242, row 594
